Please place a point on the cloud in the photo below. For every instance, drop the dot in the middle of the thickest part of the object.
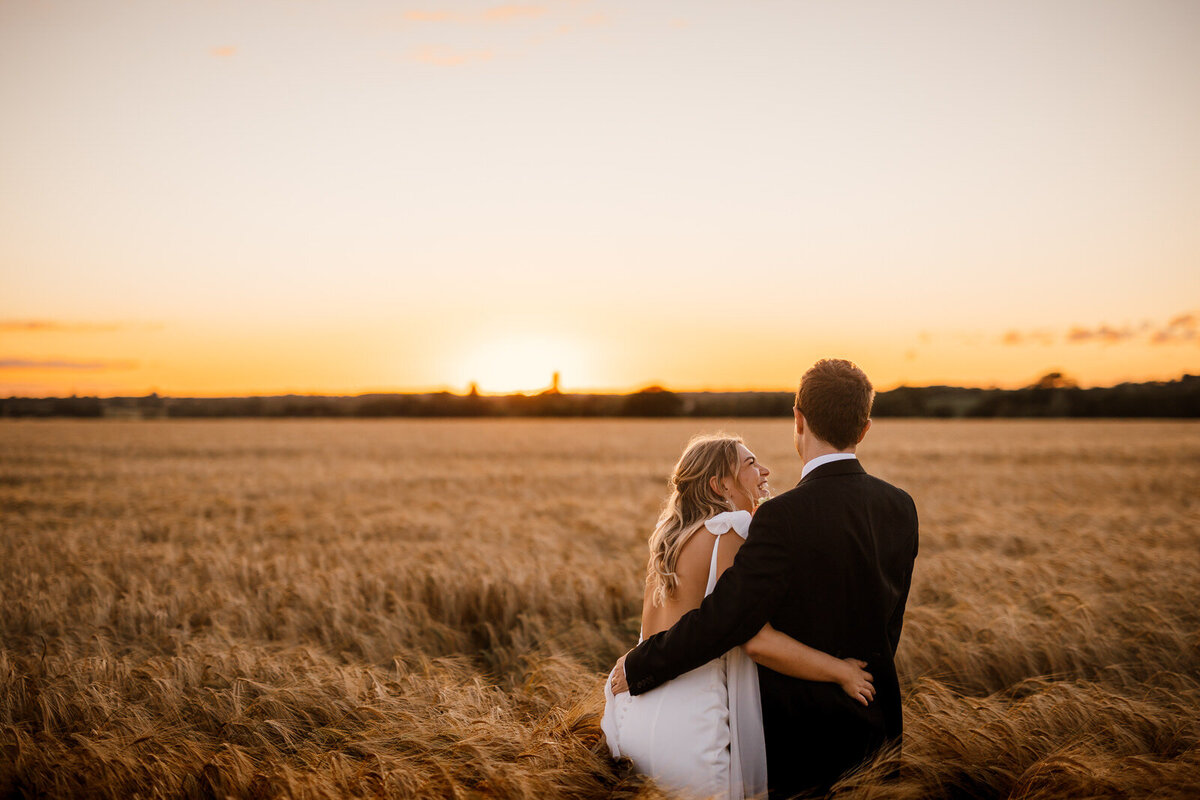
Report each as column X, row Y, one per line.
column 62, row 326
column 56, row 326
column 509, row 13
column 441, row 56
column 1015, row 338
column 1182, row 328
column 223, row 51
column 53, row 363
column 430, row 16
column 495, row 14
column 540, row 23
column 1105, row 334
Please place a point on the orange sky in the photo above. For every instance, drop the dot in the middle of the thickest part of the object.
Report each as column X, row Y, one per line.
column 266, row 196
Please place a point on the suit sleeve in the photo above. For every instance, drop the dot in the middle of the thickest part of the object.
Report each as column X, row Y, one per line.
column 896, row 623
column 740, row 604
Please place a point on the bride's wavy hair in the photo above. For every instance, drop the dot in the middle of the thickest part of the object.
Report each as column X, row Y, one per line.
column 691, row 502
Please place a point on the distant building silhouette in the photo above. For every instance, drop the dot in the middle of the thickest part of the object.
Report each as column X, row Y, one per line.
column 555, row 385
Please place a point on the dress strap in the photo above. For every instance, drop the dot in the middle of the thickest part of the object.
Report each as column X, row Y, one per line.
column 738, row 521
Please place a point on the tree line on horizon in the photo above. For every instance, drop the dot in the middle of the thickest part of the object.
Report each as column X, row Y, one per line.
column 1054, row 395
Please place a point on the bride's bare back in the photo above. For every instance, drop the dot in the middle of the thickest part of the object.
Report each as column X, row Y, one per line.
column 691, row 571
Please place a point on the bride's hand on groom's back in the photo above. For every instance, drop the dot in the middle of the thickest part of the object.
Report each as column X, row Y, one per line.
column 617, row 682
column 856, row 681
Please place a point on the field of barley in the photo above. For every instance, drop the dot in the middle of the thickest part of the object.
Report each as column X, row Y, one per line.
column 426, row 609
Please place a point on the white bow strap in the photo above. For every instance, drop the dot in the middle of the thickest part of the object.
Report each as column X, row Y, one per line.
column 737, row 520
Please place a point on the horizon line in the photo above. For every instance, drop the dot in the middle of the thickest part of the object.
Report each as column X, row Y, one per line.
column 459, row 392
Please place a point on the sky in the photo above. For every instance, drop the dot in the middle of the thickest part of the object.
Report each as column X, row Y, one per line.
column 273, row 196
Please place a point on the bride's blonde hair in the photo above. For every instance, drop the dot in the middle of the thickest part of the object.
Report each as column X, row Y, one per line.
column 691, row 502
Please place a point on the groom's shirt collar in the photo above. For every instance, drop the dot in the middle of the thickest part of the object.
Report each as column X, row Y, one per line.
column 825, row 459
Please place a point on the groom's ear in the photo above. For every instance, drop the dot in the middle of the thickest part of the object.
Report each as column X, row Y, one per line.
column 866, row 428
column 799, row 420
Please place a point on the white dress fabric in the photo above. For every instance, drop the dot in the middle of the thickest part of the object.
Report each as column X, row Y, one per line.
column 699, row 735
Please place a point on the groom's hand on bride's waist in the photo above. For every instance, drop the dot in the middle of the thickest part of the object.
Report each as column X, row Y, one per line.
column 617, row 681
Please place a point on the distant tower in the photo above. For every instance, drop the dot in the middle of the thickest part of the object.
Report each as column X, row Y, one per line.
column 554, row 384
column 474, row 390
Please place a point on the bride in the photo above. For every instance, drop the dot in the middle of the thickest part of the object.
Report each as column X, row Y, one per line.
column 701, row 734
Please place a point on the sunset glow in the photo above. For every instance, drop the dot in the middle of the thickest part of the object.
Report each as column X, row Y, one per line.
column 265, row 197
column 518, row 364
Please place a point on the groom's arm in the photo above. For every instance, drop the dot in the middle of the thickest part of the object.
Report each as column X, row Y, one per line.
column 896, row 623
column 737, row 609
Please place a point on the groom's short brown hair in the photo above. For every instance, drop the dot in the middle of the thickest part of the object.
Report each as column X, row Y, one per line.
column 835, row 398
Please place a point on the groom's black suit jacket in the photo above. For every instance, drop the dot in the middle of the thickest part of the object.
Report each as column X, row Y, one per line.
column 828, row 563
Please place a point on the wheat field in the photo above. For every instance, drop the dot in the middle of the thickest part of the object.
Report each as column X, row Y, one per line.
column 427, row 609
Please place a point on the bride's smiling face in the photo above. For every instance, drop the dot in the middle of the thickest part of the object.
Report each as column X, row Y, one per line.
column 749, row 484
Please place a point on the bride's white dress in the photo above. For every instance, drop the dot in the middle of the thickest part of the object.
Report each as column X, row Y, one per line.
column 701, row 734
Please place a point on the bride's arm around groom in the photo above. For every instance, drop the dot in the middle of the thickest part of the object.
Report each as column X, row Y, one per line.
column 737, row 609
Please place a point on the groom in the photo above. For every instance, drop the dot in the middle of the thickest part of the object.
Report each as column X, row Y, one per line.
column 828, row 563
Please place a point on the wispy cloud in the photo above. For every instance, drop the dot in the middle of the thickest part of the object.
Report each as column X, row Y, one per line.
column 66, row 326
column 534, row 24
column 223, row 51
column 1015, row 338
column 64, row 364
column 513, row 12
column 416, row 15
column 442, row 56
column 495, row 14
column 1105, row 334
column 1181, row 328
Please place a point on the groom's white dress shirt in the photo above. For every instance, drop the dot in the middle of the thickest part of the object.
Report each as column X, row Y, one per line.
column 809, row 466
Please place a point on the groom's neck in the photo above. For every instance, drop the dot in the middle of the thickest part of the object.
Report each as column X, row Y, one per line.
column 813, row 447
